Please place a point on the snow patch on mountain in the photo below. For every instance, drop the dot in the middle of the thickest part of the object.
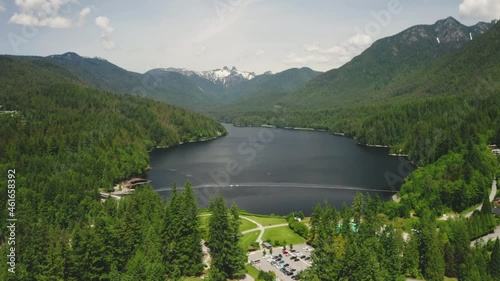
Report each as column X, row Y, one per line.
column 221, row 75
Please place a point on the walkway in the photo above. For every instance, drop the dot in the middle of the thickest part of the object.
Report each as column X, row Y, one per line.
column 260, row 228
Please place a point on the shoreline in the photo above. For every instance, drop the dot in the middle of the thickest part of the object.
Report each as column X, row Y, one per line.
column 191, row 141
column 323, row 130
column 284, row 128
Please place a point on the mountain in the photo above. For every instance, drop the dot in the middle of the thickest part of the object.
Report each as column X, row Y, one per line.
column 449, row 103
column 196, row 90
column 224, row 76
column 264, row 90
column 98, row 72
column 387, row 61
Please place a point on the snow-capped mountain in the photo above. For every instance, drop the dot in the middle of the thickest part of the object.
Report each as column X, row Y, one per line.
column 223, row 75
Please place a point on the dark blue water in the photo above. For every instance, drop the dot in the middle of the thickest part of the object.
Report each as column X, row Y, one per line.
column 277, row 171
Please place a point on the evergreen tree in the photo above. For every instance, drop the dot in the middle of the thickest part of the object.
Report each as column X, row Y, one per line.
column 238, row 255
column 190, row 257
column 228, row 259
column 358, row 205
column 431, row 249
column 411, row 256
column 494, row 264
column 391, row 259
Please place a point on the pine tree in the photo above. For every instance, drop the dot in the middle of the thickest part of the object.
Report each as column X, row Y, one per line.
column 228, row 259
column 494, row 264
column 391, row 243
column 411, row 256
column 186, row 251
column 239, row 256
column 358, row 206
column 486, row 207
column 431, row 249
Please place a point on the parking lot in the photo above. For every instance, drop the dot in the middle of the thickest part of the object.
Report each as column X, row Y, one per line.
column 286, row 266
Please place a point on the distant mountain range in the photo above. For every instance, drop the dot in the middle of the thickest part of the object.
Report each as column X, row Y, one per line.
column 225, row 75
column 192, row 89
column 373, row 76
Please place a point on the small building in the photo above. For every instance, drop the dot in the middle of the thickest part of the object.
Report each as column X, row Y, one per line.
column 267, row 245
column 495, row 211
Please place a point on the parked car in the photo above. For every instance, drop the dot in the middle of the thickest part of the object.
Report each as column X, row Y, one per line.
column 308, row 258
column 303, row 256
column 281, row 262
column 286, row 265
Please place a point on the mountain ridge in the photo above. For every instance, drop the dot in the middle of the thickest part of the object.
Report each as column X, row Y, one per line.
column 386, row 61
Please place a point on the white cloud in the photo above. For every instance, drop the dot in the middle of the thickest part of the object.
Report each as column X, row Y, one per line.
column 41, row 13
column 480, row 9
column 106, row 31
column 307, row 59
column 83, row 15
column 343, row 52
column 31, row 20
column 2, row 7
column 351, row 47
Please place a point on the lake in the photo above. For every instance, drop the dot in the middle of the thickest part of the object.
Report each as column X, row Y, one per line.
column 267, row 170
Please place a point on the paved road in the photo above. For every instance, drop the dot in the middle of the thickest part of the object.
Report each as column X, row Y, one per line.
column 483, row 240
column 469, row 214
column 492, row 197
column 260, row 228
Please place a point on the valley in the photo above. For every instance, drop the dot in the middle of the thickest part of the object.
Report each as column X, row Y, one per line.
column 268, row 161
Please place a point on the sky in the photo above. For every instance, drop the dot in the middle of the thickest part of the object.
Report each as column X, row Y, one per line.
column 252, row 35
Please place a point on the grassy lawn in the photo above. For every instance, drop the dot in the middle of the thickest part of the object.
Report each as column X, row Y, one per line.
column 283, row 233
column 252, row 271
column 248, row 239
column 247, row 225
column 266, row 221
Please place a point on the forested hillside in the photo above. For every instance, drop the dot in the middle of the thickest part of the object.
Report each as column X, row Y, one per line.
column 389, row 60
column 66, row 141
column 423, row 249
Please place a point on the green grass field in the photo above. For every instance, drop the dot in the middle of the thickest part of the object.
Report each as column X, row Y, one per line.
column 266, row 221
column 248, row 239
column 283, row 233
column 247, row 225
column 252, row 271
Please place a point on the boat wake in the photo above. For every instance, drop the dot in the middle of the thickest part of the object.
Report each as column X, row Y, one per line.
column 284, row 185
